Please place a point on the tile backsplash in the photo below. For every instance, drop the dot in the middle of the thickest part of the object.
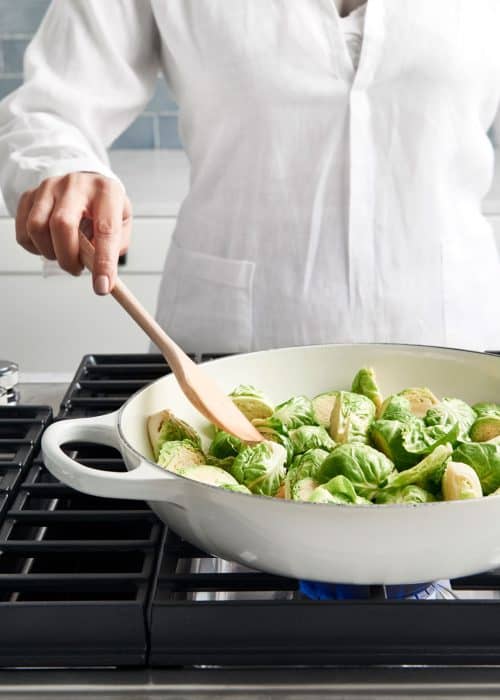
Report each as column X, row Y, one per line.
column 156, row 127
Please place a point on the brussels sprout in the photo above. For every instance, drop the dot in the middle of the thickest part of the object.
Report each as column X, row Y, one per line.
column 310, row 437
column 177, row 455
column 449, row 412
column 484, row 458
column 407, row 494
column 261, row 467
column 323, row 406
column 209, row 475
column 251, row 402
column 164, row 426
column 303, row 489
column 304, row 465
column 396, row 407
column 485, row 428
column 351, row 418
column 238, row 488
column 225, row 445
column 275, row 436
column 322, row 495
column 421, row 399
column 420, row 439
column 427, row 474
column 460, row 482
column 367, row 469
column 486, row 409
column 291, row 414
column 342, row 488
column 365, row 383
column 405, row 443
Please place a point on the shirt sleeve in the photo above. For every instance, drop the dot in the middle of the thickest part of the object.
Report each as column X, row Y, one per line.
column 89, row 71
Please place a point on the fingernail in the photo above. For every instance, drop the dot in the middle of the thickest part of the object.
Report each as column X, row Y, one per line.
column 101, row 284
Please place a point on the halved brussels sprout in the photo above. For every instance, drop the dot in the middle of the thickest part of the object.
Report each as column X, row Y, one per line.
column 323, row 406
column 252, row 402
column 396, row 407
column 164, row 426
column 460, row 482
column 210, row 475
column 484, row 458
column 351, row 418
column 407, row 494
column 365, row 383
column 303, row 489
column 225, row 445
column 485, row 428
column 310, row 437
column 486, row 409
column 177, row 455
column 261, row 467
column 449, row 412
column 427, row 474
column 341, row 487
column 421, row 399
column 304, row 465
column 291, row 414
column 275, row 436
column 366, row 468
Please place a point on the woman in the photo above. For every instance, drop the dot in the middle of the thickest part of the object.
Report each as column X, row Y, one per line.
column 330, row 200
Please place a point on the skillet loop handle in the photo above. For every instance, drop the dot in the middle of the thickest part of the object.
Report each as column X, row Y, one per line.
column 145, row 482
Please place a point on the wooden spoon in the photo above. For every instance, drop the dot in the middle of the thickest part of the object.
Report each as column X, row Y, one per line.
column 199, row 388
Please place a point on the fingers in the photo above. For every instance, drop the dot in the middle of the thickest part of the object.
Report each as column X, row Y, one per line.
column 64, row 222
column 23, row 211
column 107, row 214
column 37, row 224
column 126, row 226
column 48, row 220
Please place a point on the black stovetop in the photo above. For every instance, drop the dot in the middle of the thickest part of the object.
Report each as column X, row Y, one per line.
column 88, row 581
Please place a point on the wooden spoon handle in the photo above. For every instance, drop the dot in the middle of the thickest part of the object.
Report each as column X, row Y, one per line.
column 174, row 354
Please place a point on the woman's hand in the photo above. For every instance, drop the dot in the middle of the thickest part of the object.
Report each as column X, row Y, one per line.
column 48, row 219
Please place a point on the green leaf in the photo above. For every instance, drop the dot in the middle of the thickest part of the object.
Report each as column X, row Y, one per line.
column 261, row 467
column 367, row 469
column 484, row 458
column 450, row 412
column 427, row 474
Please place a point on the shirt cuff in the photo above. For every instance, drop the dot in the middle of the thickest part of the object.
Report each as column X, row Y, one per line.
column 78, row 165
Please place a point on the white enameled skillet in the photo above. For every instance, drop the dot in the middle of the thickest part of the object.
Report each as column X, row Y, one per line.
column 386, row 544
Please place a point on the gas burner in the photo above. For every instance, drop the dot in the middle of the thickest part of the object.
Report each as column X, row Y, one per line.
column 436, row 590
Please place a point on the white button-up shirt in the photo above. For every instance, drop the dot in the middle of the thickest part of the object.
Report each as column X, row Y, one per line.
column 327, row 203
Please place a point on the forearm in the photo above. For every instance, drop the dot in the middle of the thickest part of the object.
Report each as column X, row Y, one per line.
column 88, row 72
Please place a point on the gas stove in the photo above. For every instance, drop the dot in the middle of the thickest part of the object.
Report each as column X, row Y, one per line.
column 102, row 583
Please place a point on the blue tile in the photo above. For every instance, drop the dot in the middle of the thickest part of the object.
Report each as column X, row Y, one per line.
column 8, row 85
column 140, row 134
column 21, row 16
column 11, row 55
column 169, row 136
column 162, row 100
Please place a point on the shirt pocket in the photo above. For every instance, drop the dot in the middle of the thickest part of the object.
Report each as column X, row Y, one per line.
column 207, row 304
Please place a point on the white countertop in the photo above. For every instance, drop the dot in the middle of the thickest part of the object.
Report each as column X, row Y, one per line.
column 157, row 181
